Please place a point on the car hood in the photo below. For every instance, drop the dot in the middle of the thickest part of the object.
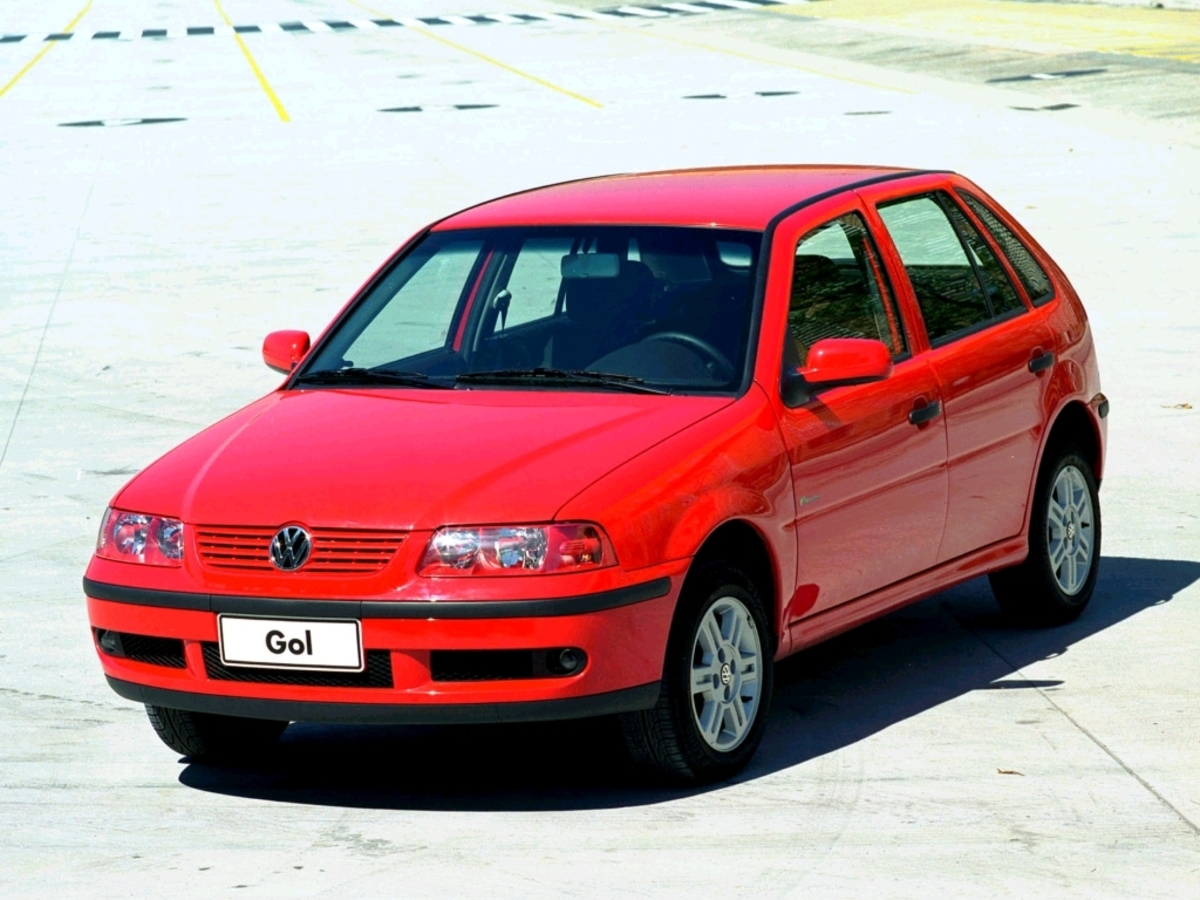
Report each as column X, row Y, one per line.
column 405, row 459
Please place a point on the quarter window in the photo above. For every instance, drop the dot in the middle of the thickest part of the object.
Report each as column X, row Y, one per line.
column 838, row 289
column 1037, row 283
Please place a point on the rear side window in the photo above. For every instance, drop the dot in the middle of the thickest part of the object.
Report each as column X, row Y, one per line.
column 950, row 296
column 1037, row 283
column 838, row 289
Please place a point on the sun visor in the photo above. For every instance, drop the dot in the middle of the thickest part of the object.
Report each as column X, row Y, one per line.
column 591, row 265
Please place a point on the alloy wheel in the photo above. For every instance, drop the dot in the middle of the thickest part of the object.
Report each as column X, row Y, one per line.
column 1070, row 523
column 726, row 665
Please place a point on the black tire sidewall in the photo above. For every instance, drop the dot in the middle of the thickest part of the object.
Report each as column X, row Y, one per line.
column 710, row 585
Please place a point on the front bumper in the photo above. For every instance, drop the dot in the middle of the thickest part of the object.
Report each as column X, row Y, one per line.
column 627, row 700
column 623, row 632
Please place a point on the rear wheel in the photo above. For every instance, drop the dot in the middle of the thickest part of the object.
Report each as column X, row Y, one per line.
column 1055, row 583
column 716, row 688
column 207, row 736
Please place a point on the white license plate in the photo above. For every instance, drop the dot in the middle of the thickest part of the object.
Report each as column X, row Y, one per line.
column 291, row 643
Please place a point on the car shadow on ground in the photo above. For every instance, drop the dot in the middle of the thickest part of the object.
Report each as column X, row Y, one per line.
column 826, row 698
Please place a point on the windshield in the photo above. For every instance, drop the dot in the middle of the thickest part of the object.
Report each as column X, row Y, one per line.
column 663, row 308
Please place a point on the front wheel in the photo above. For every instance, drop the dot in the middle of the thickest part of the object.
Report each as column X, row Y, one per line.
column 205, row 736
column 716, row 688
column 1056, row 581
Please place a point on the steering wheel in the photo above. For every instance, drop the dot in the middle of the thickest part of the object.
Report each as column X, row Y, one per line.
column 719, row 365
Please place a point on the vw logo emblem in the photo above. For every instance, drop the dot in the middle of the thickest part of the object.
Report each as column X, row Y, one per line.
column 290, row 548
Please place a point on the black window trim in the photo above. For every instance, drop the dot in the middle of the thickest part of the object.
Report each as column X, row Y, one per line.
column 1035, row 302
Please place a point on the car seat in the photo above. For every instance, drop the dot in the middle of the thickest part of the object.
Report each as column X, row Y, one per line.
column 601, row 315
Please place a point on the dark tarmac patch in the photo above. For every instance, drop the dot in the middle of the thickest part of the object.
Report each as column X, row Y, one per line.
column 112, row 123
column 1046, row 76
column 1054, row 107
column 439, row 107
column 739, row 96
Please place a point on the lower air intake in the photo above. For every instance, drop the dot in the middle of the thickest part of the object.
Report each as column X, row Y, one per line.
column 378, row 673
column 155, row 651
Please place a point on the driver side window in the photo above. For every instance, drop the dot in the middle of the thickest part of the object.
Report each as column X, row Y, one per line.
column 839, row 290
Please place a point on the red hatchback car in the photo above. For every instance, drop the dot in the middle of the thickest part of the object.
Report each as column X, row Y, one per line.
column 614, row 447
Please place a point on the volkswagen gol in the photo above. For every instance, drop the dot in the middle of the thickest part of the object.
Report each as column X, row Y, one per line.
column 614, row 447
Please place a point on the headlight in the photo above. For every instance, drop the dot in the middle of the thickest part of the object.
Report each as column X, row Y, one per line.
column 139, row 538
column 517, row 550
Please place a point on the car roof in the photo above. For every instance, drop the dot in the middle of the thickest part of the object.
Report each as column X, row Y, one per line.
column 736, row 197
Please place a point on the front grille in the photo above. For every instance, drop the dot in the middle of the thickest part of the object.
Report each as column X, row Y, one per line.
column 378, row 673
column 335, row 551
column 157, row 651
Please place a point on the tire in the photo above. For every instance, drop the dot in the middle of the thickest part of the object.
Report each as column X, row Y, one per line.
column 1055, row 583
column 720, row 620
column 204, row 736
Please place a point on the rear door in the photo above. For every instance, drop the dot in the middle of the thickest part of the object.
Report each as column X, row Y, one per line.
column 991, row 353
column 870, row 482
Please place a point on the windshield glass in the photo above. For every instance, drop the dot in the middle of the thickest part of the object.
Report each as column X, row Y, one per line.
column 663, row 307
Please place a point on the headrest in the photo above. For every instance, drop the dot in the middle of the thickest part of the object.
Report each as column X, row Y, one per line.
column 604, row 301
column 813, row 268
column 814, row 277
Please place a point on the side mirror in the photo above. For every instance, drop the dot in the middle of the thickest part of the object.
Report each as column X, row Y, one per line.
column 834, row 362
column 283, row 349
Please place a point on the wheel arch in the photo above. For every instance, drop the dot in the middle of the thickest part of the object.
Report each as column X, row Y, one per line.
column 1074, row 425
column 738, row 542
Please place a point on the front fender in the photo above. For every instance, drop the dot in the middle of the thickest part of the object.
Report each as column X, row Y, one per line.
column 662, row 504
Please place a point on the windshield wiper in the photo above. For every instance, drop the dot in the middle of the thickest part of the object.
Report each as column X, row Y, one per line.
column 543, row 374
column 357, row 375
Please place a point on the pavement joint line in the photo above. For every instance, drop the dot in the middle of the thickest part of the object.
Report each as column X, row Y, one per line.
column 258, row 73
column 9, row 692
column 37, row 354
column 67, row 31
column 315, row 26
column 1195, row 829
column 491, row 60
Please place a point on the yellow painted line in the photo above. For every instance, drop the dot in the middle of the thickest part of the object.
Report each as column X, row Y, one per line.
column 49, row 46
column 487, row 59
column 258, row 73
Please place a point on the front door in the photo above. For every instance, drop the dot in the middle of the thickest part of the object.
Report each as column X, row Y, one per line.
column 869, row 475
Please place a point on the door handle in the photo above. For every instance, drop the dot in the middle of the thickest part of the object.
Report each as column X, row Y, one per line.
column 1041, row 363
column 925, row 413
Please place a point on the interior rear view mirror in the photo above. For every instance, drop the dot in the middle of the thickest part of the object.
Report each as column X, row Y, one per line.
column 591, row 265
